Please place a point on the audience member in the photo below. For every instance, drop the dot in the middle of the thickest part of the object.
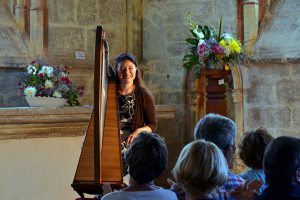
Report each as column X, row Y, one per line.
column 200, row 169
column 147, row 159
column 251, row 151
column 221, row 131
column 282, row 166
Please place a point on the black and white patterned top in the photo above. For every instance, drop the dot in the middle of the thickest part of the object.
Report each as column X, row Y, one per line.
column 126, row 114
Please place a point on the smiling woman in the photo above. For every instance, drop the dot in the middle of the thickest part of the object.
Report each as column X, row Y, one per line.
column 136, row 102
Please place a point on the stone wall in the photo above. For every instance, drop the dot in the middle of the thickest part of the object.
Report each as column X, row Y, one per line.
column 70, row 27
column 14, row 51
column 272, row 83
column 272, row 97
column 14, row 45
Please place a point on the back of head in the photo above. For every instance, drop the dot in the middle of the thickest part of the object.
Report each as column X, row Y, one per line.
column 282, row 160
column 217, row 129
column 253, row 146
column 146, row 157
column 200, row 168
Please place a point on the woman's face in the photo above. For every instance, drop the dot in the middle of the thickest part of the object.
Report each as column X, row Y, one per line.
column 126, row 72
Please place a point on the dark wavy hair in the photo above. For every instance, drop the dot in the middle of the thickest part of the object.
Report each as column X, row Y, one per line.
column 252, row 147
column 147, row 157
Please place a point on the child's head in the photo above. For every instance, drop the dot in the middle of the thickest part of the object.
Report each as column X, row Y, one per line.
column 147, row 157
column 252, row 147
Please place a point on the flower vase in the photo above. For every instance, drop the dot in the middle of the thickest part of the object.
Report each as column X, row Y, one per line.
column 45, row 101
column 214, row 66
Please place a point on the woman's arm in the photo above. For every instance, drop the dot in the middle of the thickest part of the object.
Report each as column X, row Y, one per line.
column 149, row 116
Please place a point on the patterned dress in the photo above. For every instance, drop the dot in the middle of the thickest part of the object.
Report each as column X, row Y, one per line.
column 126, row 115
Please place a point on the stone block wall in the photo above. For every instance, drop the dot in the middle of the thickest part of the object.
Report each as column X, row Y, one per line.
column 72, row 26
column 272, row 97
column 272, row 84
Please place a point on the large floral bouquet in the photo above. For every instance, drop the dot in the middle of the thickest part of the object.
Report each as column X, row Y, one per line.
column 209, row 47
column 42, row 80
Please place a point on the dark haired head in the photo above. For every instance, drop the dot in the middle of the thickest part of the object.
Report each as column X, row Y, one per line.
column 125, row 56
column 252, row 147
column 146, row 157
column 282, row 160
column 138, row 81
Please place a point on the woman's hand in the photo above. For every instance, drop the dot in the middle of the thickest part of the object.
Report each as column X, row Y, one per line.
column 132, row 136
column 136, row 132
column 247, row 192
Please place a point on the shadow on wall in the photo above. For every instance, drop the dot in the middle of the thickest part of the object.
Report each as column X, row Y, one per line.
column 10, row 95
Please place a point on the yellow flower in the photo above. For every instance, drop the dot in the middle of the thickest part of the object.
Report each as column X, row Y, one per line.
column 234, row 46
column 223, row 43
column 227, row 67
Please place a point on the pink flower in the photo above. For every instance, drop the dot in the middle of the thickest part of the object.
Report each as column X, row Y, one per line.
column 218, row 49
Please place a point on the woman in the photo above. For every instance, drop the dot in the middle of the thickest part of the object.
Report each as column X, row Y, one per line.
column 147, row 159
column 201, row 168
column 136, row 102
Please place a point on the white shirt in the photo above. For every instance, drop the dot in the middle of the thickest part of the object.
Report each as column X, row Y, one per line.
column 159, row 194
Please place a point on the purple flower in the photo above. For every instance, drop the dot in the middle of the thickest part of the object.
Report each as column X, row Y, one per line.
column 201, row 49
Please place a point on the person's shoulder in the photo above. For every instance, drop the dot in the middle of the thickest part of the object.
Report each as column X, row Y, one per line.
column 167, row 193
column 113, row 195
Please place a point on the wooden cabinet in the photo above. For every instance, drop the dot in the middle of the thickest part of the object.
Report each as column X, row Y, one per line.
column 212, row 92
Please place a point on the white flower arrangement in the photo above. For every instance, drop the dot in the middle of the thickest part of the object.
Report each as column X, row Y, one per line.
column 47, row 81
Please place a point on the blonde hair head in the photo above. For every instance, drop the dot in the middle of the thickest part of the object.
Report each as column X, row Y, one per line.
column 201, row 167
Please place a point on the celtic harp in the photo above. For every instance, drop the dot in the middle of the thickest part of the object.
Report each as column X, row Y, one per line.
column 100, row 159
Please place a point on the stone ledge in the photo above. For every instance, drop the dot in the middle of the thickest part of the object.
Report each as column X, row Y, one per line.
column 274, row 60
column 35, row 122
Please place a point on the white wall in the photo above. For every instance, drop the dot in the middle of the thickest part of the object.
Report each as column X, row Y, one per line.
column 39, row 169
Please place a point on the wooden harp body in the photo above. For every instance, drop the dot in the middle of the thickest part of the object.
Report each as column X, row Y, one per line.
column 100, row 159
